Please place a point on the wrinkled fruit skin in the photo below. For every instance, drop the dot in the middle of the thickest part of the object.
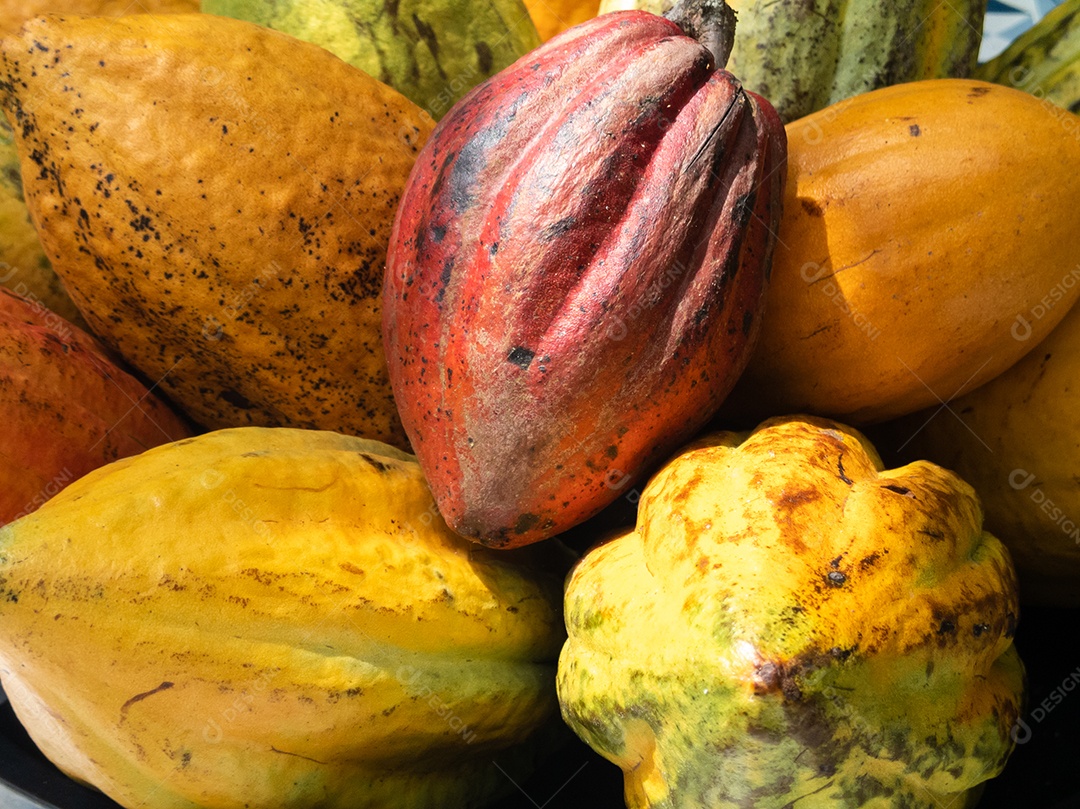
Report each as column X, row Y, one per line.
column 804, row 56
column 575, row 272
column 275, row 617
column 66, row 407
column 246, row 277
column 24, row 268
column 791, row 625
column 13, row 13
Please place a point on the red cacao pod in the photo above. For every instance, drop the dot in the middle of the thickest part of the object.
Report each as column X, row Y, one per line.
column 66, row 407
column 576, row 271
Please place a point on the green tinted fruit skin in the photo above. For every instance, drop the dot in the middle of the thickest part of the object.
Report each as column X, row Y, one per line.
column 791, row 625
column 431, row 51
column 1044, row 61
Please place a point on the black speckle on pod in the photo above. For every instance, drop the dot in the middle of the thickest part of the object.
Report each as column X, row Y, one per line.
column 836, row 578
column 521, row 357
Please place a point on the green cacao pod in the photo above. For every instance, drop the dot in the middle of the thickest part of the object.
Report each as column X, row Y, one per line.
column 274, row 617
column 791, row 625
column 1044, row 60
column 804, row 56
column 431, row 51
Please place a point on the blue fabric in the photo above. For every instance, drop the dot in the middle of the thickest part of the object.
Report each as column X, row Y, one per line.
column 1006, row 20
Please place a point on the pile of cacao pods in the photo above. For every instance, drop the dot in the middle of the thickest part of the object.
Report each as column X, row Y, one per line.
column 396, row 395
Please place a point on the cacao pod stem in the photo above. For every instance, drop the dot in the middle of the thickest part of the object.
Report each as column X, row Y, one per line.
column 710, row 22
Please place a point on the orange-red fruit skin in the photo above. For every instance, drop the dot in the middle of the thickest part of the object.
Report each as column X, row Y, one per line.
column 66, row 407
column 576, row 272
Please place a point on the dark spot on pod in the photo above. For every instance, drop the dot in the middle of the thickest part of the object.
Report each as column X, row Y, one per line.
column 840, row 654
column 901, row 490
column 612, row 451
column 914, row 130
column 378, row 465
column 494, row 248
column 929, row 669
column 554, row 231
column 946, row 627
column 521, row 357
column 525, row 523
column 979, row 629
column 840, row 469
column 235, row 399
column 868, row 561
column 812, row 207
column 975, row 92
column 747, row 322
column 836, row 578
column 484, row 57
column 437, row 233
column 444, row 279
column 427, row 33
column 835, row 563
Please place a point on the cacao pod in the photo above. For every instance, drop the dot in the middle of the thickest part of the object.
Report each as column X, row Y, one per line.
column 908, row 246
column 218, row 208
column 575, row 272
column 66, row 406
column 1016, row 439
column 24, row 268
column 792, row 625
column 804, row 56
column 274, row 617
column 430, row 51
column 13, row 13
column 1044, row 61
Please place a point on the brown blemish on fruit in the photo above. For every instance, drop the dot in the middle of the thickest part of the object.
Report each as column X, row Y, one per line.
column 840, row 470
column 165, row 686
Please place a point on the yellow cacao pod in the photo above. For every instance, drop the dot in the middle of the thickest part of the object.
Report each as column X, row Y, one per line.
column 273, row 617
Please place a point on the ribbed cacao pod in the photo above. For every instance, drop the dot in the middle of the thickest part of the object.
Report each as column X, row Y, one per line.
column 576, row 270
column 271, row 617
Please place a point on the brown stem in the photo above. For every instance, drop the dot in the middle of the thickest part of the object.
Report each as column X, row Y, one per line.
column 710, row 22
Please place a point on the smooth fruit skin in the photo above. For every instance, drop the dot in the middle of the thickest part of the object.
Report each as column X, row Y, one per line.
column 66, row 406
column 804, row 56
column 430, row 51
column 218, row 204
column 263, row 617
column 1016, row 439
column 917, row 226
column 1044, row 61
column 792, row 625
column 576, row 271
column 555, row 16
